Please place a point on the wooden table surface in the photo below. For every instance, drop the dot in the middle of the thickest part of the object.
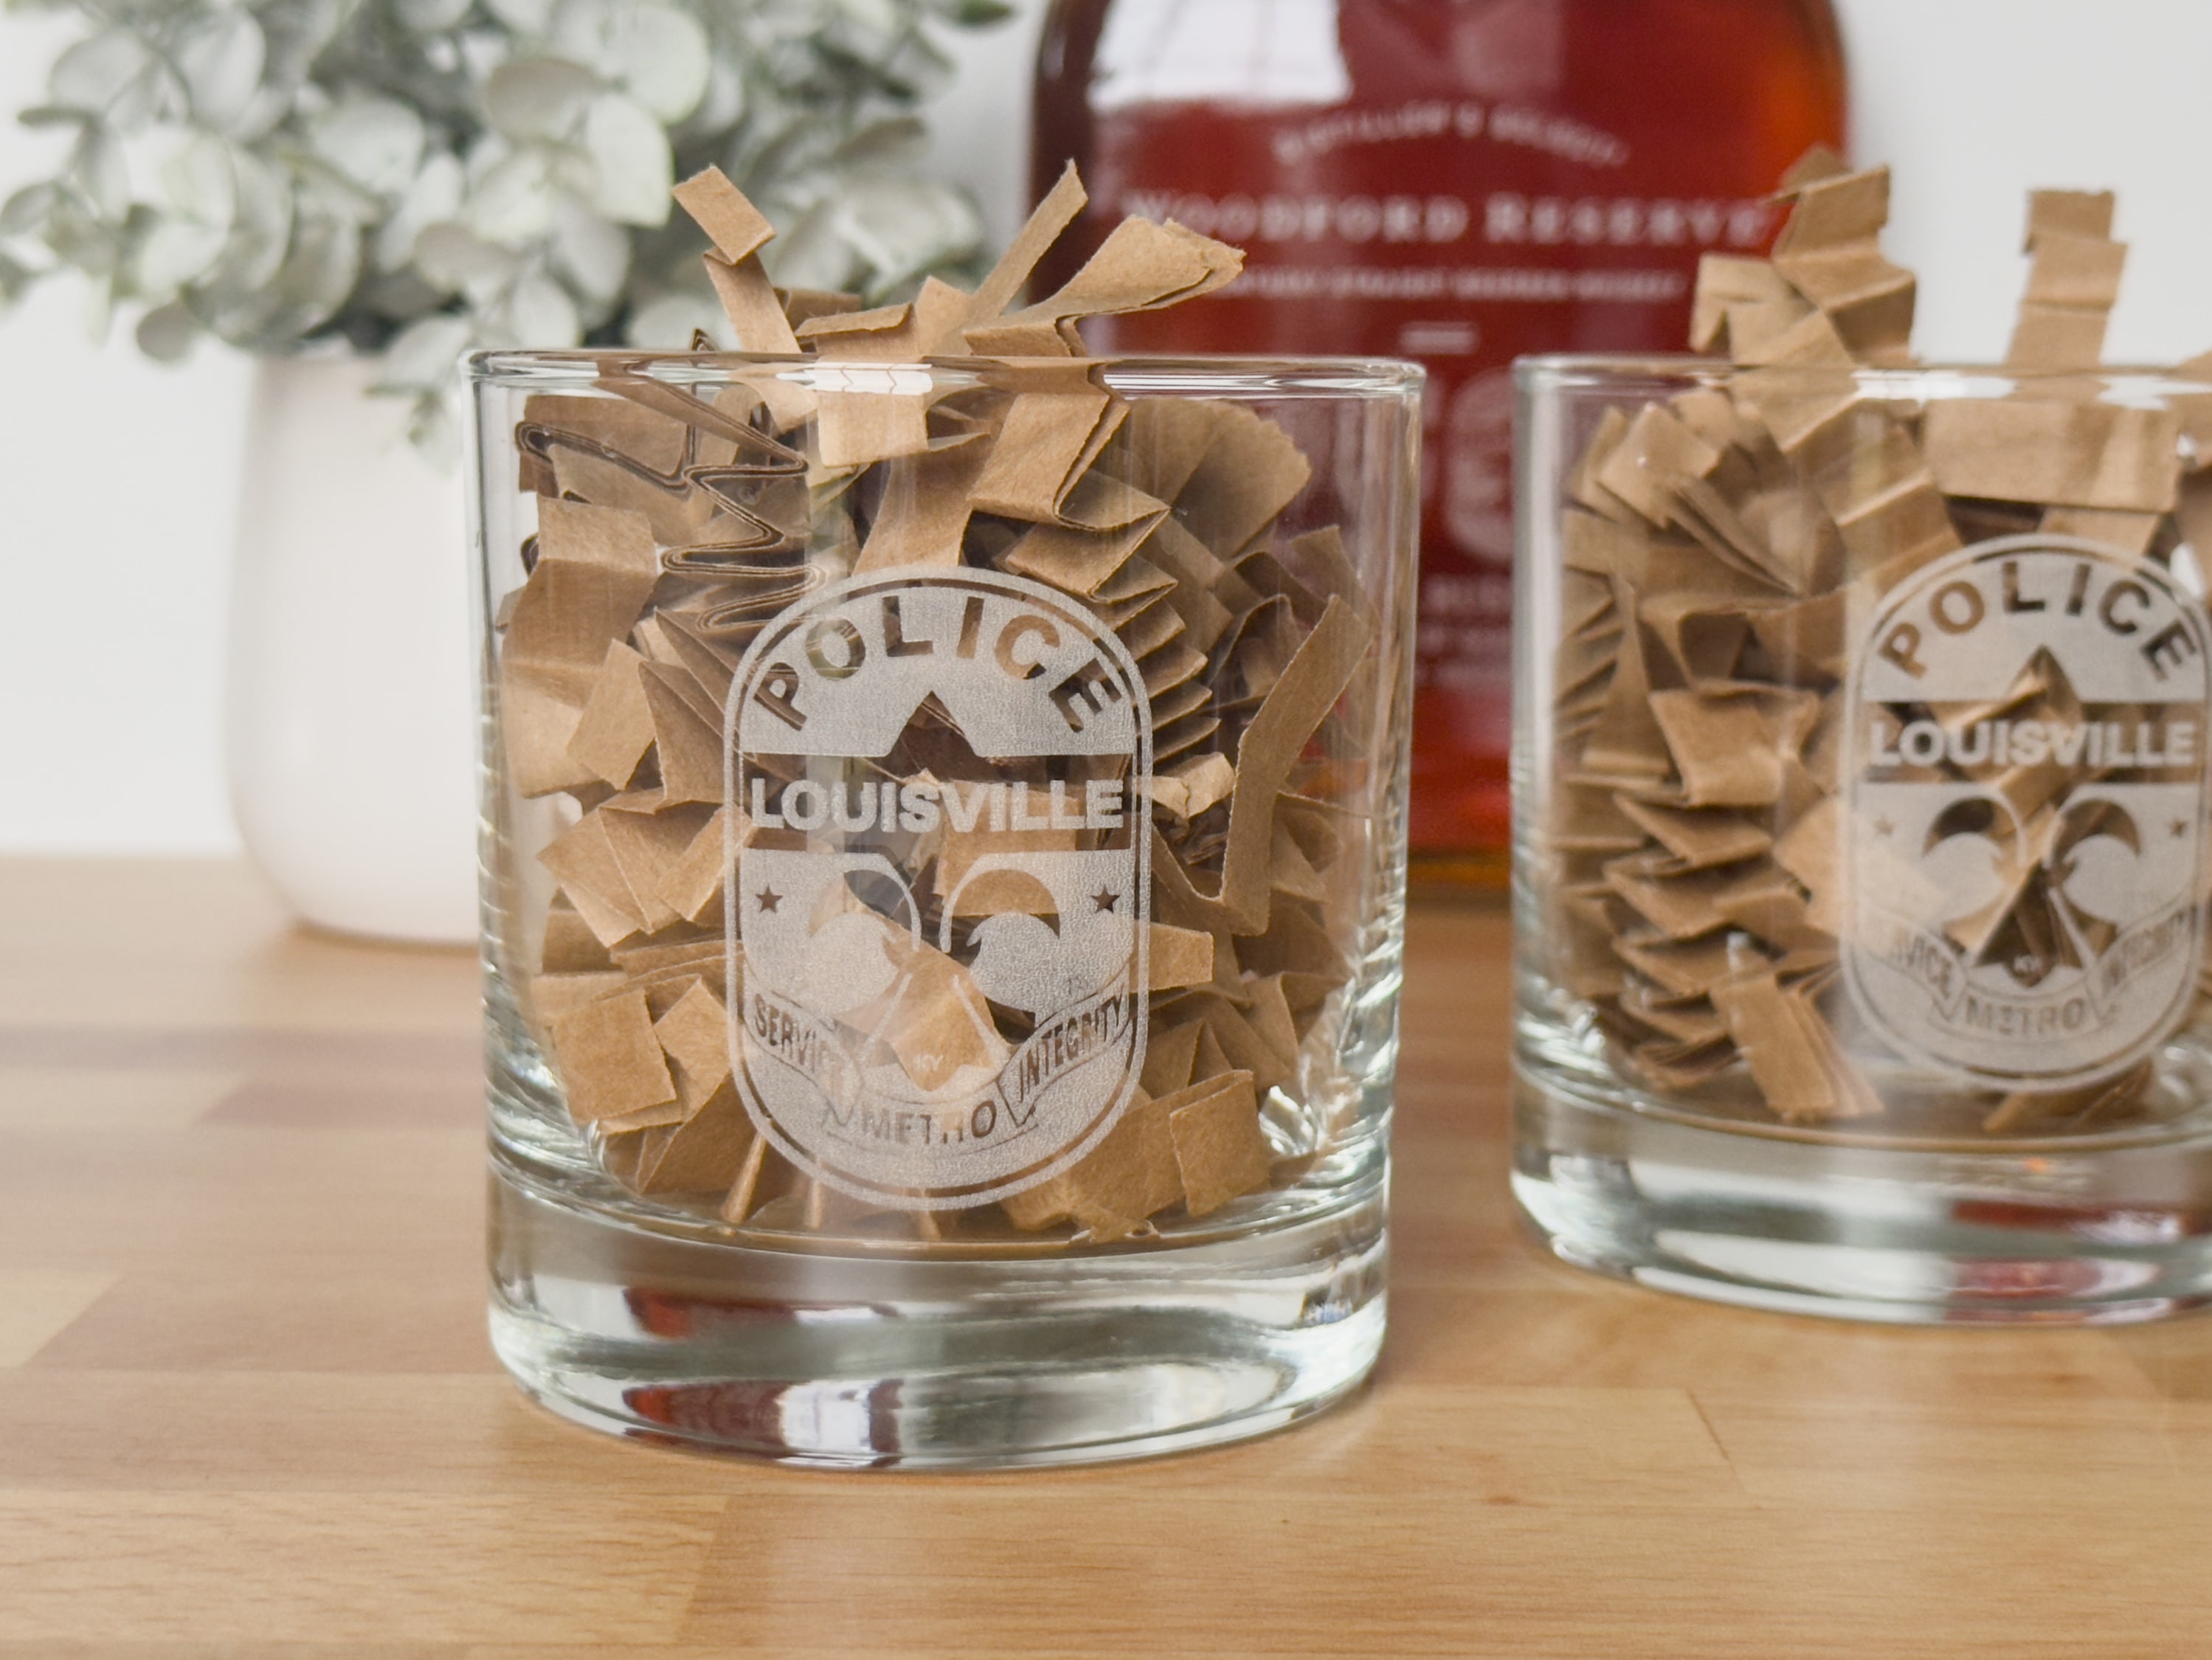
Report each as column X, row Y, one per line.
column 247, row 1408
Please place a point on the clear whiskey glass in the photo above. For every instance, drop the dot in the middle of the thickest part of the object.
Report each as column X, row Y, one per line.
column 943, row 852
column 1861, row 837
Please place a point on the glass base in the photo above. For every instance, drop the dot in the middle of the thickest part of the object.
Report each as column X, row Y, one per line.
column 876, row 1361
column 1926, row 1235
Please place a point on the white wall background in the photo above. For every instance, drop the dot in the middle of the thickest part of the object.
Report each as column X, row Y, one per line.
column 117, row 487
column 117, row 479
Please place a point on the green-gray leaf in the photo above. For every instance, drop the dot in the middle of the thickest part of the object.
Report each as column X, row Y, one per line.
column 434, row 194
column 200, row 185
column 376, row 142
column 511, row 202
column 295, row 33
column 26, row 211
column 101, row 74
column 635, row 170
column 884, row 145
column 220, row 61
column 589, row 253
column 661, row 55
column 319, row 272
column 261, row 230
column 165, row 333
column 540, row 316
column 177, row 253
column 53, row 115
column 103, row 173
column 199, row 181
column 422, row 354
column 533, row 99
column 455, row 259
column 15, row 280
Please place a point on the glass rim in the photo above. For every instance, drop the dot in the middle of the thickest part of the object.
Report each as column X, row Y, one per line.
column 1572, row 371
column 1193, row 372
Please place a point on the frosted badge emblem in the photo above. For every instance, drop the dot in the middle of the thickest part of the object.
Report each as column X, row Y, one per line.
column 2024, row 812
column 938, row 791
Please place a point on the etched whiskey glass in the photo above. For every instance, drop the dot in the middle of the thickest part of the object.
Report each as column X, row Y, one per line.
column 1861, row 777
column 944, row 831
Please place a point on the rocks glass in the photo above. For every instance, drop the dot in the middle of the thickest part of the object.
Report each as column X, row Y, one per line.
column 943, row 852
column 1860, row 824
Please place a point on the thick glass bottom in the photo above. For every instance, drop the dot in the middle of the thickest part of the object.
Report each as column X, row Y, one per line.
column 1930, row 1236
column 871, row 1361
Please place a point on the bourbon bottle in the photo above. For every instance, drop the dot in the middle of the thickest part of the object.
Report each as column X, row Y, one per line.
column 1457, row 181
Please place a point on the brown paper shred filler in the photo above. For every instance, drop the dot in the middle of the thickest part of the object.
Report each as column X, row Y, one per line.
column 672, row 526
column 1722, row 552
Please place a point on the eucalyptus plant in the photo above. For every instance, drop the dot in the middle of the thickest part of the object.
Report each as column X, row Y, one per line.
column 417, row 177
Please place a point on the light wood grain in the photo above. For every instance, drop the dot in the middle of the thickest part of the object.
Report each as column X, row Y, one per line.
column 247, row 1410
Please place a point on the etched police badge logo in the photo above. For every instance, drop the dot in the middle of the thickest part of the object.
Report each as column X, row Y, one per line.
column 2025, row 785
column 940, row 884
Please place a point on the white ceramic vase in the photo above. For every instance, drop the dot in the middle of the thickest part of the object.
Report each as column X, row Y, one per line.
column 349, row 714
